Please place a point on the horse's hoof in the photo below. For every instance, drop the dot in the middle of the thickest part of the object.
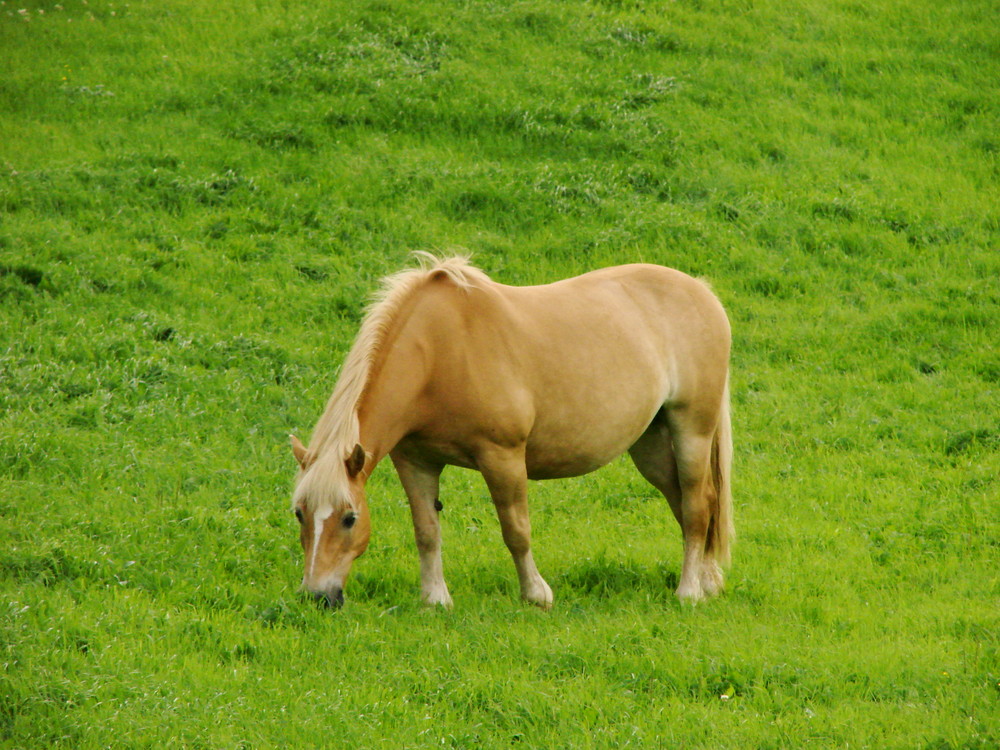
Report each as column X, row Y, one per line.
column 541, row 596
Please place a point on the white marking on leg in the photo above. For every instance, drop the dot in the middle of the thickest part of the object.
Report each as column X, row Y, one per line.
column 533, row 587
column 711, row 576
column 689, row 589
column 433, row 588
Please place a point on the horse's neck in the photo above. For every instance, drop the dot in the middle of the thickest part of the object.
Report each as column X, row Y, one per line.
column 387, row 411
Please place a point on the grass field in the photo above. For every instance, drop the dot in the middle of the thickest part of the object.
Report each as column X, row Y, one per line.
column 195, row 201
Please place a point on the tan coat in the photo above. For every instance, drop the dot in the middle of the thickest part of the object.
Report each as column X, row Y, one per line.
column 526, row 382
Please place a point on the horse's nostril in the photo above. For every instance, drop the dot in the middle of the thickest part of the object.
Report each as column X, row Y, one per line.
column 330, row 599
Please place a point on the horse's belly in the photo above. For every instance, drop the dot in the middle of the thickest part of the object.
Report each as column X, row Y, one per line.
column 547, row 465
column 572, row 447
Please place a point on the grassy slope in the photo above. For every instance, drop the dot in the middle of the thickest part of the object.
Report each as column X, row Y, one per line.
column 196, row 199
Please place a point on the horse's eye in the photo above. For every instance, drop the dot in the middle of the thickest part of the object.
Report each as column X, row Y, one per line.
column 349, row 520
column 298, row 515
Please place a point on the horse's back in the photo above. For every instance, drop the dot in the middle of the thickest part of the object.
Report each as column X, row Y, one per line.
column 644, row 294
column 641, row 315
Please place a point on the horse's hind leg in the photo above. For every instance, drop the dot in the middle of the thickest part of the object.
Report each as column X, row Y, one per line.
column 674, row 457
column 693, row 432
column 653, row 456
column 421, row 486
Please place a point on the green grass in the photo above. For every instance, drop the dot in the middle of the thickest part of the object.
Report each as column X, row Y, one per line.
column 195, row 201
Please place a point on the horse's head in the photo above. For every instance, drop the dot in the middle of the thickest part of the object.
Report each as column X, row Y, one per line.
column 330, row 505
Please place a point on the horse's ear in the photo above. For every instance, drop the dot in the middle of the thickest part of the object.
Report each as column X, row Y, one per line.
column 300, row 451
column 356, row 461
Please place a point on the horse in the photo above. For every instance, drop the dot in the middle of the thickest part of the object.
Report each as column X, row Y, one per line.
column 518, row 383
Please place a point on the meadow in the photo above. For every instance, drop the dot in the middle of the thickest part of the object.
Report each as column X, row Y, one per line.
column 196, row 200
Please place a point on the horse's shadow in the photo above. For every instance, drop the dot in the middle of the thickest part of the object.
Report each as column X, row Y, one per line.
column 600, row 578
column 604, row 578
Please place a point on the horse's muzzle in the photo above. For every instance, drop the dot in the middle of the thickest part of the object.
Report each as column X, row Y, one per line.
column 332, row 599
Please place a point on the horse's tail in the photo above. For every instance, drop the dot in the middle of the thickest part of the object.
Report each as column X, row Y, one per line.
column 722, row 529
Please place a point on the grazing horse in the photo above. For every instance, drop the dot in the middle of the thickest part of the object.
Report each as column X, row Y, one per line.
column 518, row 383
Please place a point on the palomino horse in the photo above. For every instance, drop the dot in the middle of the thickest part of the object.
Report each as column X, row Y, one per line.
column 518, row 383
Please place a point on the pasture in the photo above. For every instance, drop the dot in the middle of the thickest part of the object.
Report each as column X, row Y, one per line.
column 196, row 200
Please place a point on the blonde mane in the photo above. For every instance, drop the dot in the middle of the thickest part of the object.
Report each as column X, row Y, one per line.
column 324, row 481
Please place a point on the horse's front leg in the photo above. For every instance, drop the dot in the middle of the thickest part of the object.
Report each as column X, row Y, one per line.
column 506, row 477
column 421, row 486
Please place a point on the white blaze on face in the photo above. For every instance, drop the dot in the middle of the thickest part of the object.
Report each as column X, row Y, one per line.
column 319, row 521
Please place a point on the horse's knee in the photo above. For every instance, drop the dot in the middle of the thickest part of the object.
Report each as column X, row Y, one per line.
column 518, row 540
column 428, row 537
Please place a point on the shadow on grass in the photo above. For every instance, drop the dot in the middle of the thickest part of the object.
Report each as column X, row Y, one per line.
column 595, row 579
column 604, row 578
column 599, row 578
